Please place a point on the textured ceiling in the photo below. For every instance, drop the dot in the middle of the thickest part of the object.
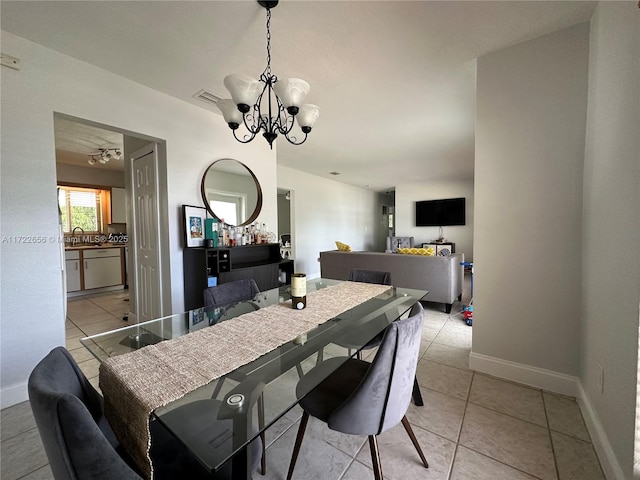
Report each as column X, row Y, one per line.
column 76, row 141
column 395, row 81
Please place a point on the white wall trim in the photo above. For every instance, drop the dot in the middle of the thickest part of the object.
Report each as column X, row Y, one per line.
column 13, row 394
column 608, row 461
column 526, row 374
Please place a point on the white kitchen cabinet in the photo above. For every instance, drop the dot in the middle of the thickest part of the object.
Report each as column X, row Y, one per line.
column 118, row 209
column 102, row 267
column 73, row 275
column 72, row 270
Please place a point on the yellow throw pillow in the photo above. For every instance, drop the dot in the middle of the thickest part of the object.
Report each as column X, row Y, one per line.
column 343, row 247
column 429, row 252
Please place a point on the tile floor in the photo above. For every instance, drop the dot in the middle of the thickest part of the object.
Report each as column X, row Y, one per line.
column 472, row 427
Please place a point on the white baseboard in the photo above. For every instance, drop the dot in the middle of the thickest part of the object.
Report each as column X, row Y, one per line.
column 13, row 395
column 526, row 374
column 608, row 461
column 557, row 383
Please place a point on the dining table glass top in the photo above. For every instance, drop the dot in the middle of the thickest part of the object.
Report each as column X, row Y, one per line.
column 256, row 395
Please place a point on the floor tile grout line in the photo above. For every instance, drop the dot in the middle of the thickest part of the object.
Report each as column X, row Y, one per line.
column 593, row 449
column 458, row 444
column 499, row 461
column 27, row 474
column 553, row 448
column 20, row 433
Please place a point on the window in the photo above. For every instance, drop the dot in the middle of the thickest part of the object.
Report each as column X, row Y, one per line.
column 81, row 207
column 226, row 211
column 228, row 206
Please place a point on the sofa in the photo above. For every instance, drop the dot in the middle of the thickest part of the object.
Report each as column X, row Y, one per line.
column 441, row 276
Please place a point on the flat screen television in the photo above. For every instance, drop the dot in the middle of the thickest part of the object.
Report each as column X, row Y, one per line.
column 440, row 213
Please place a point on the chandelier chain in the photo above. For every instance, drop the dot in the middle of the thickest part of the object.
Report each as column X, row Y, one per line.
column 268, row 69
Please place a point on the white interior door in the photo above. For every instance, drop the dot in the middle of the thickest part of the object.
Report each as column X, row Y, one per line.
column 146, row 234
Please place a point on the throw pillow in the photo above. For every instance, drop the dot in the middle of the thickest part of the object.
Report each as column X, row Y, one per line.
column 429, row 252
column 343, row 247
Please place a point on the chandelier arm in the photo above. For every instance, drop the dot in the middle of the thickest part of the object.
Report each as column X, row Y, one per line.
column 287, row 126
column 247, row 138
column 294, row 140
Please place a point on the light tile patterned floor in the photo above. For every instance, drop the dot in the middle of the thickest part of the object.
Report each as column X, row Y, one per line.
column 472, row 427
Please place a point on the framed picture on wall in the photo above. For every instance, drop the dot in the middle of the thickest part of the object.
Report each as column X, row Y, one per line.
column 194, row 218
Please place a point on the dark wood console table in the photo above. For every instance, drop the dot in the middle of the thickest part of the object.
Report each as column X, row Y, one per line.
column 227, row 264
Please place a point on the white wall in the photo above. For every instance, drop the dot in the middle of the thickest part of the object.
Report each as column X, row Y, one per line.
column 530, row 132
column 611, row 229
column 89, row 175
column 31, row 283
column 325, row 211
column 408, row 194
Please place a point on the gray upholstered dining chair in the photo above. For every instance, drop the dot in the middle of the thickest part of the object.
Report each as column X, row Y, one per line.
column 80, row 443
column 226, row 294
column 366, row 276
column 382, row 278
column 77, row 439
column 370, row 276
column 362, row 398
column 230, row 292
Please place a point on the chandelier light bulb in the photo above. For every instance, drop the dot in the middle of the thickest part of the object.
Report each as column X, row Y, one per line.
column 244, row 90
column 307, row 116
column 292, row 92
column 230, row 112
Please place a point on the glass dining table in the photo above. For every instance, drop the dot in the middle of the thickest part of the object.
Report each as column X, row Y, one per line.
column 254, row 396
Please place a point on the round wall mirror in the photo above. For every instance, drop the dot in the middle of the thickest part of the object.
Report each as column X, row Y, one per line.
column 231, row 192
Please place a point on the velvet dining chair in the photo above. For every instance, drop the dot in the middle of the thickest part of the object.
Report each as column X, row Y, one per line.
column 230, row 292
column 79, row 442
column 382, row 278
column 361, row 398
column 366, row 276
column 224, row 295
column 77, row 439
column 370, row 276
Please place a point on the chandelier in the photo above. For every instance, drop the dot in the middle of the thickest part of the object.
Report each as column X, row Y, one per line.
column 283, row 99
column 104, row 155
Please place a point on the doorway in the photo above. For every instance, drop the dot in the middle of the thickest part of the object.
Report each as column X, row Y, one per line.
column 285, row 224
column 77, row 141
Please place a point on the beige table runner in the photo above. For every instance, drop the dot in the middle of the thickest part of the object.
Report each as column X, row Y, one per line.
column 136, row 383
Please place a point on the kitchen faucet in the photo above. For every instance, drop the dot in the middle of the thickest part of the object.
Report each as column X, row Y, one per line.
column 73, row 233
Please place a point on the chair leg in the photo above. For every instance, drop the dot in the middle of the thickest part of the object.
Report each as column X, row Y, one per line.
column 417, row 395
column 375, row 457
column 414, row 440
column 359, row 354
column 296, row 447
column 263, row 460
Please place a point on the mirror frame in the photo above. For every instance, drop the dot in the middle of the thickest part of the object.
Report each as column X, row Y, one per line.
column 258, row 208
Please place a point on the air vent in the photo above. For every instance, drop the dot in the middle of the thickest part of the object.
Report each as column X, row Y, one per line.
column 334, row 173
column 207, row 97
